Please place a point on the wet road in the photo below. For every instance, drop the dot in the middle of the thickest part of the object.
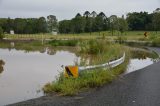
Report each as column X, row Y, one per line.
column 139, row 88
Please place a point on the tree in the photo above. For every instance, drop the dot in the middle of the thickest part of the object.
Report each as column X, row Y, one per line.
column 122, row 25
column 99, row 22
column 86, row 14
column 113, row 21
column 1, row 33
column 102, row 15
column 88, row 26
column 9, row 25
column 156, row 21
column 78, row 15
column 64, row 26
column 19, row 25
column 157, row 10
column 42, row 25
column 78, row 24
column 52, row 23
column 137, row 21
column 93, row 14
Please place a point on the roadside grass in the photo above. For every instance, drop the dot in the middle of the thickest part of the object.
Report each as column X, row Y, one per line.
column 99, row 51
column 88, row 79
column 130, row 35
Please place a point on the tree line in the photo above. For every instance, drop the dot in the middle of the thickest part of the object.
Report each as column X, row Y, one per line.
column 93, row 22
column 29, row 25
column 85, row 23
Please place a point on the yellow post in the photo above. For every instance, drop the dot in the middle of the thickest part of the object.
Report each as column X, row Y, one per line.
column 71, row 71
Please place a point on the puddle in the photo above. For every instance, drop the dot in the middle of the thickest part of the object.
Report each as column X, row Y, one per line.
column 141, row 58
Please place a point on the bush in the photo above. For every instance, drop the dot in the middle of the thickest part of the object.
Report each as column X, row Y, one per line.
column 63, row 42
column 94, row 46
column 1, row 33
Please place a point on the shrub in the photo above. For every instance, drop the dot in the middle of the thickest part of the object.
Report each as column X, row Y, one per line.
column 1, row 33
column 63, row 42
column 94, row 46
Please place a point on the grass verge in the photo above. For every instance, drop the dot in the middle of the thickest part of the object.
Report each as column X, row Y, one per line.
column 87, row 79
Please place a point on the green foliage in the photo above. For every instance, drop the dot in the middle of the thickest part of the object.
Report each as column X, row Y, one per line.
column 113, row 19
column 156, row 42
column 94, row 46
column 156, row 21
column 138, row 21
column 71, row 86
column 63, row 42
column 24, row 25
column 1, row 33
column 52, row 23
column 87, row 23
column 91, row 78
column 122, row 25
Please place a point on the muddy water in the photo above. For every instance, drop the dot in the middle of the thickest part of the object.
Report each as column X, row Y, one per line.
column 24, row 74
column 141, row 58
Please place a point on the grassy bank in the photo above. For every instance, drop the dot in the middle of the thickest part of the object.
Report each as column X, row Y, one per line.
column 93, row 78
column 130, row 35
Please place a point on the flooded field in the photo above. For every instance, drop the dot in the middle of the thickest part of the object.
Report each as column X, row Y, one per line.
column 24, row 73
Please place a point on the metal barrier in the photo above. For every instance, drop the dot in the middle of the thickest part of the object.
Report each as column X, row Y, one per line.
column 105, row 65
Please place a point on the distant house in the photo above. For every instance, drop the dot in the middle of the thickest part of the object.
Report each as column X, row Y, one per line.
column 54, row 32
column 12, row 32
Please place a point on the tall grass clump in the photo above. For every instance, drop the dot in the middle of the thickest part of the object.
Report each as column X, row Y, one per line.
column 91, row 78
column 63, row 42
column 100, row 51
column 71, row 86
column 156, row 42
column 94, row 46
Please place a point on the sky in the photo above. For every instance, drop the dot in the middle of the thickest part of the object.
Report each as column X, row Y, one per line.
column 67, row 9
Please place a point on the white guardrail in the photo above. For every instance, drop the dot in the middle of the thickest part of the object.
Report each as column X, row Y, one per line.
column 105, row 65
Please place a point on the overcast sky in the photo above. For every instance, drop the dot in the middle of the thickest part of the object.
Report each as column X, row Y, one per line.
column 66, row 9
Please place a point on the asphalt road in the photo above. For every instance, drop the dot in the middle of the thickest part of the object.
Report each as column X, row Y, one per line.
column 139, row 88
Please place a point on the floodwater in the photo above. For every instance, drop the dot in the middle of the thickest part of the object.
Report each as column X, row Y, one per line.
column 136, row 64
column 140, row 59
column 25, row 73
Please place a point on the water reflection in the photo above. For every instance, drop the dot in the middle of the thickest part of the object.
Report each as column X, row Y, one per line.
column 142, row 54
column 141, row 58
column 25, row 74
column 1, row 66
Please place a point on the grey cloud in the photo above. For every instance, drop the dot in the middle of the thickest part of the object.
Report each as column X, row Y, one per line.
column 65, row 9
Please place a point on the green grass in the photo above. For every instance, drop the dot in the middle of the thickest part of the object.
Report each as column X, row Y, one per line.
column 86, row 80
column 130, row 35
column 63, row 42
column 99, row 51
column 89, row 79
